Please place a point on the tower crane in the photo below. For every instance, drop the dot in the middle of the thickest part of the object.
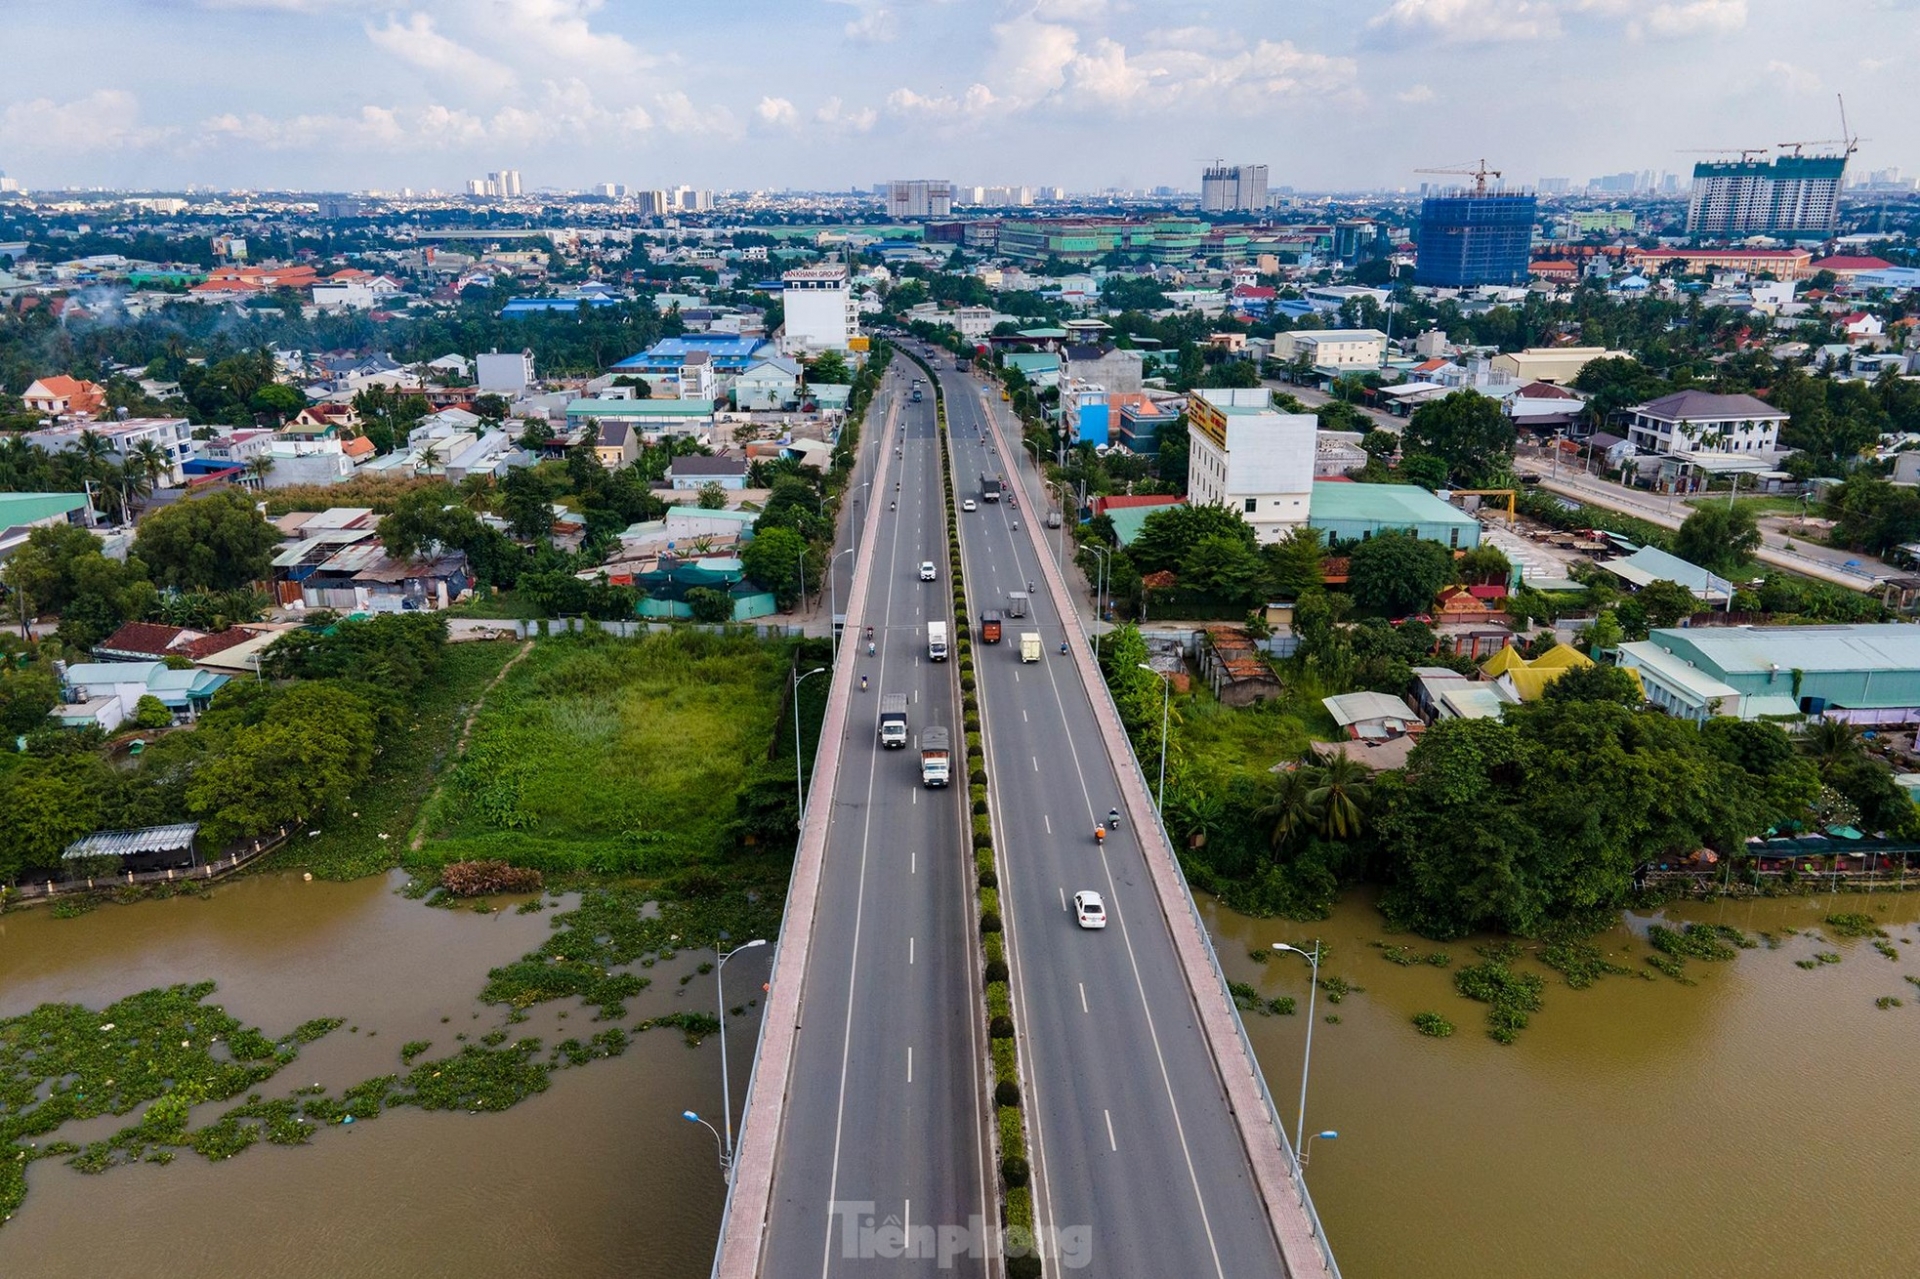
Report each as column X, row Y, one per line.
column 1479, row 173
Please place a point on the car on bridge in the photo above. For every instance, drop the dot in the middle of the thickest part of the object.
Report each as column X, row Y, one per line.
column 1089, row 910
column 927, row 571
column 968, row 505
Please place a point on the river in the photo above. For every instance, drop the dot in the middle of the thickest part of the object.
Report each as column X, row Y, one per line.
column 597, row 1176
column 1758, row 1122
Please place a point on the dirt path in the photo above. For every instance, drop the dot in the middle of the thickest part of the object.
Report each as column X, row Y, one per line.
column 419, row 837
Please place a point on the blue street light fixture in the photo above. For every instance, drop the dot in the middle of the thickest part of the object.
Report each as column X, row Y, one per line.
column 726, row 1160
column 1329, row 1135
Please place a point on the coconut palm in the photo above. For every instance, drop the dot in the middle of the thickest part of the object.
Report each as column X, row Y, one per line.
column 1288, row 814
column 132, row 484
column 152, row 461
column 1829, row 743
column 258, row 468
column 1338, row 790
column 91, row 454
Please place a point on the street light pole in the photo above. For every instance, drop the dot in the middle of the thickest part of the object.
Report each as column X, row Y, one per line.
column 799, row 791
column 833, row 603
column 1306, row 1064
column 1099, row 583
column 726, row 1090
column 1166, row 699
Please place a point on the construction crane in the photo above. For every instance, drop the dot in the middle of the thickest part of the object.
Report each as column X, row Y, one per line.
column 1743, row 152
column 1479, row 173
column 1847, row 139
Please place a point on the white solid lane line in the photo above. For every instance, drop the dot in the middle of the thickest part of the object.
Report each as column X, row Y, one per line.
column 1083, row 996
column 909, row 1063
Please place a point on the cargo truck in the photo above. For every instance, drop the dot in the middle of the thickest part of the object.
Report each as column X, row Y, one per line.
column 936, row 641
column 989, row 488
column 1030, row 646
column 990, row 627
column 936, row 758
column 893, row 720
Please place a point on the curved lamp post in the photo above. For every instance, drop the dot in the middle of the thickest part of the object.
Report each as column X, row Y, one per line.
column 726, row 1091
column 1166, row 699
column 833, row 602
column 1300, row 1124
column 799, row 789
column 1329, row 1135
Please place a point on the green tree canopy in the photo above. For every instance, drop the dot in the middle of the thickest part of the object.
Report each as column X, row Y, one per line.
column 1294, row 561
column 310, row 753
column 1168, row 533
column 776, row 559
column 1468, row 432
column 1719, row 539
column 215, row 543
column 1397, row 573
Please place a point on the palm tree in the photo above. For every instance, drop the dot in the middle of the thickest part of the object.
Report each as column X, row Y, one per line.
column 92, row 452
column 152, row 461
column 1288, row 814
column 258, row 468
column 1829, row 743
column 133, row 484
column 1338, row 790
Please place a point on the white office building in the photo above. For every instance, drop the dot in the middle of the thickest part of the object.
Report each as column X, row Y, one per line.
column 919, row 198
column 820, row 310
column 507, row 373
column 1249, row 457
column 1233, row 188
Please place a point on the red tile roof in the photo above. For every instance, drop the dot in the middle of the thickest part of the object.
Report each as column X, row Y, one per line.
column 1842, row 262
column 148, row 638
column 208, row 645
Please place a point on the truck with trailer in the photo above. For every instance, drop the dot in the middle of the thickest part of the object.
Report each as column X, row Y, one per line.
column 893, row 720
column 989, row 488
column 936, row 641
column 936, row 757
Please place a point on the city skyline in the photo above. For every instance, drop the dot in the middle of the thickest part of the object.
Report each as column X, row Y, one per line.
column 831, row 94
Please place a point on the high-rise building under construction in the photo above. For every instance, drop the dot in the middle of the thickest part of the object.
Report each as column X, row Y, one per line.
column 1791, row 194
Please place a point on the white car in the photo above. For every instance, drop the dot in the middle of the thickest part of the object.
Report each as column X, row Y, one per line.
column 927, row 571
column 1088, row 910
column 968, row 505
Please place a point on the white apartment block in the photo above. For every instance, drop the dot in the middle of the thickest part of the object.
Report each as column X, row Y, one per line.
column 173, row 436
column 919, row 198
column 820, row 310
column 1252, row 459
column 1333, row 348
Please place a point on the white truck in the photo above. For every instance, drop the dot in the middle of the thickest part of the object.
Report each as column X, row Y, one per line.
column 893, row 720
column 936, row 641
column 936, row 757
column 1030, row 646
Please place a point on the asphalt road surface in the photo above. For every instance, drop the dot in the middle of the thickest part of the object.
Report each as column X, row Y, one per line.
column 1139, row 1167
column 880, row 1168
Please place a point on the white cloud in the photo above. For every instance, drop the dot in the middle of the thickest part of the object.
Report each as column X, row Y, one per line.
column 874, row 26
column 1795, row 79
column 1693, row 17
column 834, row 114
column 419, row 42
column 679, row 115
column 104, row 120
column 778, row 112
column 559, row 30
column 1415, row 93
column 1467, row 21
column 1070, row 10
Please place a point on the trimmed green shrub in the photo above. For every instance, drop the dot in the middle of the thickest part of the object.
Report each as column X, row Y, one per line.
column 995, row 948
column 989, row 901
column 973, row 743
column 1000, row 1028
column 996, row 971
column 1013, row 1137
column 999, row 1000
column 1006, row 1061
column 989, row 923
column 989, row 880
column 982, row 826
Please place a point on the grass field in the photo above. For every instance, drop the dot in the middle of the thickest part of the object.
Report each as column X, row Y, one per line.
column 1220, row 742
column 612, row 756
column 1755, row 506
column 349, row 844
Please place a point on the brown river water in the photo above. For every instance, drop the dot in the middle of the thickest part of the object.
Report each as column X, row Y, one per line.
column 597, row 1176
column 1761, row 1122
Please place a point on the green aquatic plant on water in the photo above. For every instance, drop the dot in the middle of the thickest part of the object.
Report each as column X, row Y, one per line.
column 1854, row 924
column 1510, row 996
column 1432, row 1024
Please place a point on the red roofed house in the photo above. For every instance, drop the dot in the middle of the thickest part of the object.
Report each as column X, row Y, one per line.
column 64, row 396
column 1862, row 326
column 1845, row 267
column 1782, row 264
column 1471, row 603
column 1554, row 269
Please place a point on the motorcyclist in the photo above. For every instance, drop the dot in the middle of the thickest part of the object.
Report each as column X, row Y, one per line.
column 1113, row 819
column 1063, row 646
column 1099, row 833
column 863, row 683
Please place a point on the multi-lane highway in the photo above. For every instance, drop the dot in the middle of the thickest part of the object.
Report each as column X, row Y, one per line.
column 880, row 1156
column 1139, row 1166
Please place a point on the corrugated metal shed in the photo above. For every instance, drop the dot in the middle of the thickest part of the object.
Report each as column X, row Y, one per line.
column 131, row 843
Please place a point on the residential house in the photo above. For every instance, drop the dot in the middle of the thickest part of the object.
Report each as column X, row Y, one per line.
column 1355, row 512
column 1697, row 422
column 1372, row 716
column 1545, row 408
column 108, row 694
column 1108, row 367
column 503, row 374
column 1862, row 326
column 616, row 445
column 767, row 386
column 1340, row 350
column 1650, row 564
column 1521, row 680
column 1558, row 365
column 63, row 396
column 694, row 472
column 649, row 417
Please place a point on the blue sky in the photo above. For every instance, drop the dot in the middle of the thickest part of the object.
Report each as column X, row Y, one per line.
column 349, row 94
